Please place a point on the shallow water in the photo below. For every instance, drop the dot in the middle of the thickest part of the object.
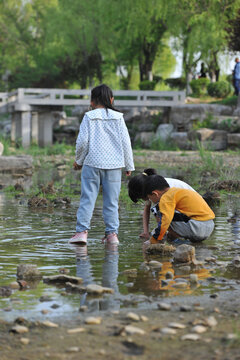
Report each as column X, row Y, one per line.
column 40, row 236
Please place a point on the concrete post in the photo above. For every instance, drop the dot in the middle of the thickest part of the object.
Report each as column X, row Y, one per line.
column 35, row 128
column 21, row 127
column 45, row 124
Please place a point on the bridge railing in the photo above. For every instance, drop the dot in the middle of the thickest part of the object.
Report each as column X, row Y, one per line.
column 64, row 97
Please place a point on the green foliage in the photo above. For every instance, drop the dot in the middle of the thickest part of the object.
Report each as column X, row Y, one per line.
column 6, row 144
column 219, row 89
column 205, row 123
column 176, row 83
column 210, row 162
column 199, row 86
column 230, row 100
column 147, row 85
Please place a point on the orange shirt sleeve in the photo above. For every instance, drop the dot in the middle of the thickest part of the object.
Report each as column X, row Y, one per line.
column 166, row 213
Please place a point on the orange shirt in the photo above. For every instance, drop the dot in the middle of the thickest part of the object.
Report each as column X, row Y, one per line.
column 187, row 202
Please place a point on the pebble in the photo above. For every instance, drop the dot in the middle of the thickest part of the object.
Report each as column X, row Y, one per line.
column 25, row 341
column 193, row 278
column 50, row 324
column 75, row 331
column 129, row 285
column 185, row 308
column 44, row 298
column 168, row 331
column 211, row 321
column 19, row 329
column 192, row 337
column 14, row 285
column 164, row 306
column 213, row 296
column 143, row 318
column 132, row 330
column 180, row 285
column 199, row 329
column 155, row 264
column 176, row 325
column 44, row 311
column 231, row 336
column 102, row 352
column 73, row 349
column 91, row 320
column 132, row 316
column 83, row 308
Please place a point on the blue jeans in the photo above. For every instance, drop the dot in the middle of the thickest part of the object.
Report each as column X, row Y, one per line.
column 91, row 180
column 237, row 86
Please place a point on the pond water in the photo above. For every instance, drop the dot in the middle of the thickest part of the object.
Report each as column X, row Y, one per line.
column 40, row 236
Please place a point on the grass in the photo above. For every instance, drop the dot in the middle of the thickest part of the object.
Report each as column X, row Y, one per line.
column 230, row 100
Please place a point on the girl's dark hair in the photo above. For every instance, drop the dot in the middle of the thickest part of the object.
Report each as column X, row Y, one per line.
column 150, row 171
column 136, row 184
column 154, row 182
column 101, row 95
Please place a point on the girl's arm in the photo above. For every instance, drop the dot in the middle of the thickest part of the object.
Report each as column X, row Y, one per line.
column 146, row 216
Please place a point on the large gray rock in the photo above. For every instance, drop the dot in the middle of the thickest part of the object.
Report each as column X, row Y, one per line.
column 181, row 140
column 21, row 165
column 184, row 116
column 233, row 140
column 164, row 131
column 1, row 148
column 144, row 138
column 211, row 139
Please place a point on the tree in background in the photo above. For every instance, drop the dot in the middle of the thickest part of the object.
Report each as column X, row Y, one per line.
column 201, row 31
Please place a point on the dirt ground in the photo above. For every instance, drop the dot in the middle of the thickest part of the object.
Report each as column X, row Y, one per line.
column 108, row 340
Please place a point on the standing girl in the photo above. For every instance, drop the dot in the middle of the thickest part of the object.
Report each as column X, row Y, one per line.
column 103, row 147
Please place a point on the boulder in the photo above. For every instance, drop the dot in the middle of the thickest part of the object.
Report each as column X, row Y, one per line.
column 211, row 139
column 164, row 131
column 21, row 165
column 145, row 138
column 1, row 148
column 184, row 116
column 233, row 140
column 181, row 140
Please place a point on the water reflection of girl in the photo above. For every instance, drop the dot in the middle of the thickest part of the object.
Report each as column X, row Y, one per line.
column 109, row 275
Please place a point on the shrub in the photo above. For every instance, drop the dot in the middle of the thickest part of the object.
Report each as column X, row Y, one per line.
column 176, row 83
column 147, row 85
column 199, row 86
column 219, row 89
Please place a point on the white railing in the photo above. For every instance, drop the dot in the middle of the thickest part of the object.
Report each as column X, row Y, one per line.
column 64, row 97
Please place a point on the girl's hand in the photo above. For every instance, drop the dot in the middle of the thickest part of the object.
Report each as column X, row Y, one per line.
column 128, row 173
column 76, row 166
column 144, row 235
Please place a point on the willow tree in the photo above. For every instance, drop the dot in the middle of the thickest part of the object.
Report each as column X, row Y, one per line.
column 134, row 32
column 200, row 28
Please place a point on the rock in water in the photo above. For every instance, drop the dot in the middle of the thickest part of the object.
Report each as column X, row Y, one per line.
column 184, row 254
column 28, row 272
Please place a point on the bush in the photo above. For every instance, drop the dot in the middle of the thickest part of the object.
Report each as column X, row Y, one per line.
column 147, row 85
column 219, row 89
column 199, row 86
column 176, row 83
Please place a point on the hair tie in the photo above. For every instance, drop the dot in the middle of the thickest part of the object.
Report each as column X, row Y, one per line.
column 144, row 174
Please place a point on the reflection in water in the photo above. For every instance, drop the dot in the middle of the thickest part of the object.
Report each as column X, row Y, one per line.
column 109, row 275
